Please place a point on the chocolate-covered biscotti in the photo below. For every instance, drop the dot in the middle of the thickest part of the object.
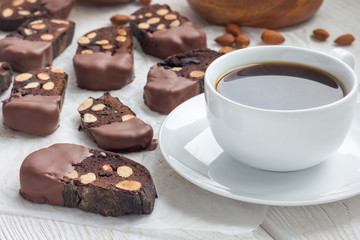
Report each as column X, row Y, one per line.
column 36, row 43
column 163, row 32
column 113, row 126
column 15, row 12
column 104, row 59
column 74, row 176
column 106, row 2
column 35, row 102
column 5, row 76
column 177, row 79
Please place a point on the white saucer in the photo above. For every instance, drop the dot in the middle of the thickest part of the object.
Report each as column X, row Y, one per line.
column 190, row 149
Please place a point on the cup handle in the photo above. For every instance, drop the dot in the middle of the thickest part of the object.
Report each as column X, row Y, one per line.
column 344, row 56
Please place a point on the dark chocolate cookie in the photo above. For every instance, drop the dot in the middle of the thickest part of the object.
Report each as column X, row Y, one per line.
column 163, row 32
column 77, row 177
column 35, row 102
column 104, row 59
column 113, row 126
column 177, row 79
column 15, row 12
column 36, row 43
column 5, row 76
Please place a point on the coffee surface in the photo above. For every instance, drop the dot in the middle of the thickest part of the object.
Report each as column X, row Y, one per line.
column 280, row 86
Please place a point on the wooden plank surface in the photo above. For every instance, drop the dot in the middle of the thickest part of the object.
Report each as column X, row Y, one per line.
column 338, row 220
column 23, row 228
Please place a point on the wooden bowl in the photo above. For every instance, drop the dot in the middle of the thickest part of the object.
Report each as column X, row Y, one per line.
column 256, row 13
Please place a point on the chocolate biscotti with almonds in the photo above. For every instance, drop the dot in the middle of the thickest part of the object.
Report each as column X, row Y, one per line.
column 104, row 59
column 36, row 43
column 74, row 176
column 35, row 102
column 163, row 32
column 114, row 126
column 5, row 76
column 15, row 12
column 177, row 79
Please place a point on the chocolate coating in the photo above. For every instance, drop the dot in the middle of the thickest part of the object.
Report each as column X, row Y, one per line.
column 165, row 90
column 174, row 41
column 103, row 71
column 24, row 55
column 58, row 8
column 32, row 114
column 43, row 171
column 131, row 134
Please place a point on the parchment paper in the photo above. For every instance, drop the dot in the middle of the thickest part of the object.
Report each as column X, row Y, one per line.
column 181, row 205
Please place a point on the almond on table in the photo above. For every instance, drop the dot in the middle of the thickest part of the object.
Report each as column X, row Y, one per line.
column 226, row 39
column 226, row 49
column 233, row 29
column 345, row 39
column 119, row 19
column 242, row 41
column 321, row 34
column 272, row 37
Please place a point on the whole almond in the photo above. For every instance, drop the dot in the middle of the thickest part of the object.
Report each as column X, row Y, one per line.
column 242, row 41
column 272, row 37
column 345, row 39
column 233, row 29
column 321, row 34
column 225, row 40
column 119, row 19
column 226, row 49
column 145, row 2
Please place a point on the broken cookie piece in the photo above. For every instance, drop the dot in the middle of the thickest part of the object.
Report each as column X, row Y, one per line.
column 35, row 102
column 36, row 43
column 177, row 79
column 74, row 176
column 15, row 12
column 113, row 126
column 104, row 59
column 5, row 76
column 163, row 32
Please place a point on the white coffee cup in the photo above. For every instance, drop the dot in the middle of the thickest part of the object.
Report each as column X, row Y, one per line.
column 280, row 140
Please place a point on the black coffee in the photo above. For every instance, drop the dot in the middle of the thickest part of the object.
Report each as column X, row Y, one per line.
column 280, row 86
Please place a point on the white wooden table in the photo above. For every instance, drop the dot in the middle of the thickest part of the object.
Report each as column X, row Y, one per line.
column 337, row 220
